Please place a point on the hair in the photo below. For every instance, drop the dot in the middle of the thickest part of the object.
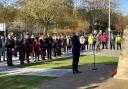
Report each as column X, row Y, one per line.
column 36, row 38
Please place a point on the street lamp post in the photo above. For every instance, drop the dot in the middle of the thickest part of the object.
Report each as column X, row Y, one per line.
column 109, row 23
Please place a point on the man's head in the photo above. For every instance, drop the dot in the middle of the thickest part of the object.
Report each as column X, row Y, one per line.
column 118, row 34
column 104, row 33
column 2, row 37
column 9, row 36
column 32, row 37
column 26, row 36
column 91, row 34
column 79, row 33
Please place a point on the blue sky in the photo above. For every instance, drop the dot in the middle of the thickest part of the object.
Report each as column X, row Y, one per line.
column 122, row 5
column 8, row 1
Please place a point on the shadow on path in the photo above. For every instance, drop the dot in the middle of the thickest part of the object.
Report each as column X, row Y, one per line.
column 88, row 79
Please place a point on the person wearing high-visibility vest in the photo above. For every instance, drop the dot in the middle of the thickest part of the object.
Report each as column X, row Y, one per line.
column 91, row 41
column 118, row 41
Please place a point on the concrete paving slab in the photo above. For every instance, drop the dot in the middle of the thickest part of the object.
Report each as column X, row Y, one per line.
column 35, row 71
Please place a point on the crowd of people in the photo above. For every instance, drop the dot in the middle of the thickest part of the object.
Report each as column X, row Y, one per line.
column 38, row 47
column 45, row 46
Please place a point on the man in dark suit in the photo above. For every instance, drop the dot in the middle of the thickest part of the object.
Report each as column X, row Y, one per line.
column 28, row 46
column 76, row 51
column 10, row 45
column 49, row 46
column 0, row 48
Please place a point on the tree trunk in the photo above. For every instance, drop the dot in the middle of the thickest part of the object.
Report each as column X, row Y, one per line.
column 46, row 28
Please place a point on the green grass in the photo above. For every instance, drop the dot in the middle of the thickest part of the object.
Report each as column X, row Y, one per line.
column 22, row 82
column 67, row 62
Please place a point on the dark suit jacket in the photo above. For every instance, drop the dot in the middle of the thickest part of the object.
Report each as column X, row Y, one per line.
column 75, row 45
column 10, row 43
column 49, row 43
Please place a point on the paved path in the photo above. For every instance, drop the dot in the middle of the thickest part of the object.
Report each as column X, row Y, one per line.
column 89, row 79
column 35, row 71
column 107, row 52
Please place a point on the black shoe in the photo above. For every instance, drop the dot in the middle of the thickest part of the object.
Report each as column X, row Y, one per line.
column 10, row 65
column 74, row 72
column 21, row 63
column 78, row 72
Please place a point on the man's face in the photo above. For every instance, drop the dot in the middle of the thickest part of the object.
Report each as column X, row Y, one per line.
column 9, row 36
column 80, row 33
column 2, row 37
column 27, row 36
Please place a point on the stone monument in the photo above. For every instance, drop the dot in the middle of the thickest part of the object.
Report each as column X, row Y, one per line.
column 122, row 69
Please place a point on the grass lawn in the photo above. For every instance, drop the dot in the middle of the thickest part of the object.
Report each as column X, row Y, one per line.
column 22, row 82
column 67, row 62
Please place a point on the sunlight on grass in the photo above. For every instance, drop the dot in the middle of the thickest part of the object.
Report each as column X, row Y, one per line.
column 22, row 82
column 66, row 63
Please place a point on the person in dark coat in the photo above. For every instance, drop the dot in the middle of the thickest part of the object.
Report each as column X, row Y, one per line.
column 58, row 47
column 10, row 45
column 3, row 48
column 16, row 41
column 28, row 47
column 22, row 51
column 76, row 51
column 43, row 48
column 68, row 43
column 64, row 40
column 86, row 42
column 55, row 48
column 0, row 48
column 49, row 46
